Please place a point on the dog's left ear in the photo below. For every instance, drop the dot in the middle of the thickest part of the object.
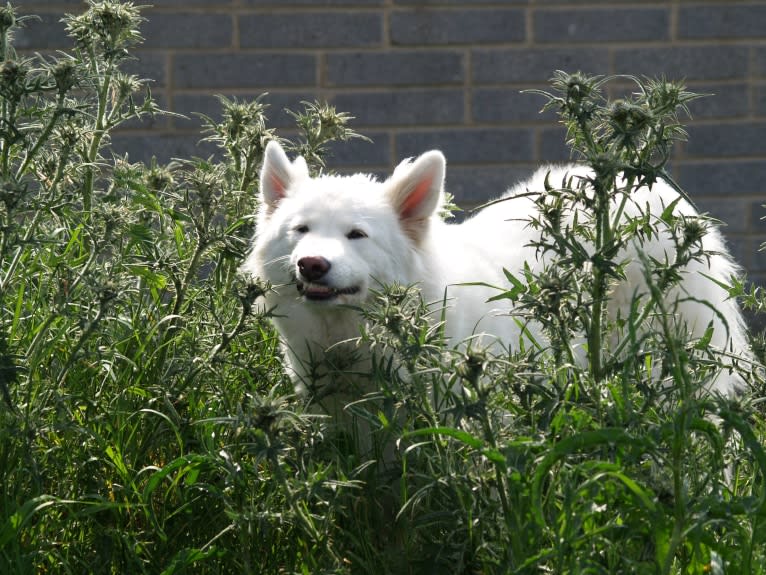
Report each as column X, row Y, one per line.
column 416, row 191
column 278, row 174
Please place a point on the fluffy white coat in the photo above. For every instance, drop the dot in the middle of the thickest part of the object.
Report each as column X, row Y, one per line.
column 324, row 242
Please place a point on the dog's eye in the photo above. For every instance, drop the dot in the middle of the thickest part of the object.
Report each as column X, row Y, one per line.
column 302, row 229
column 356, row 234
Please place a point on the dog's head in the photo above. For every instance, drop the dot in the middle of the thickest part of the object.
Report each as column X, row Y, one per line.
column 331, row 237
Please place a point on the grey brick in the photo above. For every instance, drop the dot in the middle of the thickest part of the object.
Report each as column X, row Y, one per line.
column 476, row 145
column 188, row 30
column 569, row 2
column 394, row 68
column 464, row 2
column 756, row 254
column 425, row 27
column 553, row 147
column 151, row 66
column 602, row 25
column 724, row 100
column 473, row 186
column 313, row 3
column 191, row 105
column 760, row 61
column 758, row 212
column 759, row 97
column 535, row 64
column 717, row 99
column 508, row 105
column 755, row 322
column 361, row 154
column 698, row 62
column 744, row 251
column 723, row 140
column 355, row 152
column 47, row 33
column 408, row 107
column 239, row 70
column 187, row 3
column 311, row 30
column 165, row 147
column 722, row 21
column 734, row 213
column 32, row 7
column 722, row 178
column 158, row 122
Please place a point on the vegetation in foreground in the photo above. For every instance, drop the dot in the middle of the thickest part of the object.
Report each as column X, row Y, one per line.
column 146, row 425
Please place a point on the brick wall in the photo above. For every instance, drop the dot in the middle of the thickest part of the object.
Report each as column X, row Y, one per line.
column 446, row 74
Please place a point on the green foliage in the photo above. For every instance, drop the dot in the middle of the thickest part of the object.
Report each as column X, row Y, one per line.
column 146, row 425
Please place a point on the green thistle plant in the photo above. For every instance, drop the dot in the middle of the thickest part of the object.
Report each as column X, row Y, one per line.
column 146, row 424
column 142, row 385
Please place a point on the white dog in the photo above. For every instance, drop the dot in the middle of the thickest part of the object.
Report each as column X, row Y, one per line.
column 324, row 242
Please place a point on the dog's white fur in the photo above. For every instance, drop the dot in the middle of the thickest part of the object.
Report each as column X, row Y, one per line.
column 367, row 232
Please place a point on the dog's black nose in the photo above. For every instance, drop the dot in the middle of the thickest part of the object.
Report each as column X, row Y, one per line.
column 313, row 268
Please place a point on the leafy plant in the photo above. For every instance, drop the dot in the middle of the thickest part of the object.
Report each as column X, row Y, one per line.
column 620, row 465
column 147, row 427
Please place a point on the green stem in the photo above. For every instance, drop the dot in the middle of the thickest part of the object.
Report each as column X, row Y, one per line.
column 181, row 289
column 62, row 163
column 603, row 234
column 78, row 346
column 9, row 119
column 679, row 512
column 42, row 139
column 244, row 177
column 603, row 237
column 190, row 273
column 95, row 144
column 228, row 336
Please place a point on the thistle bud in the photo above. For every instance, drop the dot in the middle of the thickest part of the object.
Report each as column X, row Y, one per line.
column 65, row 75
column 694, row 231
column 7, row 18
column 12, row 79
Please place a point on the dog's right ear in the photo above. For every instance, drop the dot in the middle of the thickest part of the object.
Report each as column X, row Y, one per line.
column 278, row 174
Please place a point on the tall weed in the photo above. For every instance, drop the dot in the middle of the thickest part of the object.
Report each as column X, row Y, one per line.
column 146, row 424
column 147, row 427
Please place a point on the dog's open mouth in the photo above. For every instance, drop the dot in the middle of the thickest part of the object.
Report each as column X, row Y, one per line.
column 321, row 292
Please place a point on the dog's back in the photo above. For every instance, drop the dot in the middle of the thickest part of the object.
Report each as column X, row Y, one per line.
column 499, row 238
